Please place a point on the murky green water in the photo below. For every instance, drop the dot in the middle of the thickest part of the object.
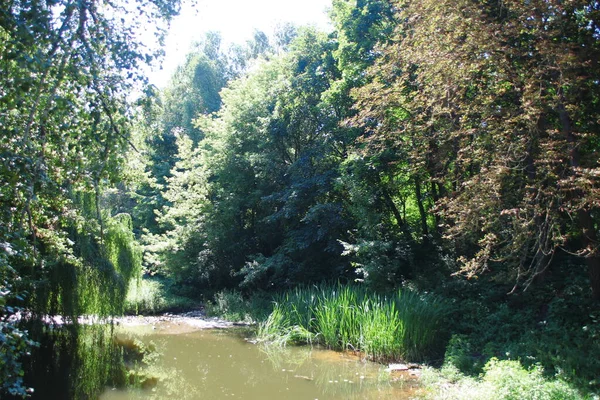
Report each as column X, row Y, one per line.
column 220, row 364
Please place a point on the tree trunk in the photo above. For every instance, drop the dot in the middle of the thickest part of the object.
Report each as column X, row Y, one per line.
column 585, row 221
column 422, row 212
column 436, row 215
column 392, row 206
column 590, row 241
column 593, row 263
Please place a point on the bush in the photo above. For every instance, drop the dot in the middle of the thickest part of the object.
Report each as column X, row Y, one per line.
column 501, row 380
column 560, row 332
column 155, row 296
column 460, row 354
column 233, row 306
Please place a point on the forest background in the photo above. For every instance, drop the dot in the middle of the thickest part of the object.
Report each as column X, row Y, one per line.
column 445, row 147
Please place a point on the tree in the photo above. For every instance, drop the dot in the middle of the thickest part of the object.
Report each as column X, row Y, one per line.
column 257, row 198
column 390, row 200
column 497, row 101
column 193, row 90
column 67, row 67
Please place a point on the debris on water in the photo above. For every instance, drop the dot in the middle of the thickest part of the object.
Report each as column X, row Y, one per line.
column 306, row 378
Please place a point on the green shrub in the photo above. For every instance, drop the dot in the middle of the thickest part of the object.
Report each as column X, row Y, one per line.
column 154, row 296
column 561, row 333
column 500, row 380
column 459, row 354
column 233, row 306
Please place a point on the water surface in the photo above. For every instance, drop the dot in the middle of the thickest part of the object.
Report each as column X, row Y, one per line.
column 220, row 364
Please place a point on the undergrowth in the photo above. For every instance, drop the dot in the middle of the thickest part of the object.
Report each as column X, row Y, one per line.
column 537, row 328
column 155, row 296
column 500, row 380
column 232, row 305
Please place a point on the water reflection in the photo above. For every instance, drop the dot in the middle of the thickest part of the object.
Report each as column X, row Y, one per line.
column 73, row 361
column 221, row 365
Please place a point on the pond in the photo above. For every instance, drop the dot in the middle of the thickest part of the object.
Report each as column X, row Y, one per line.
column 175, row 358
column 220, row 364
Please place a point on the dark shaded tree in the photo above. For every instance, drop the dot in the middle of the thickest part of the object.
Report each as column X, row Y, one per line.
column 497, row 103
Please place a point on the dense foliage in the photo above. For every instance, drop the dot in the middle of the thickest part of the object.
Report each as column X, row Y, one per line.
column 441, row 146
column 495, row 107
column 435, row 146
column 403, row 136
column 67, row 68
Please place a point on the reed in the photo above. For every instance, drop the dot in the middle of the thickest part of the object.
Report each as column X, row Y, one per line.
column 404, row 325
column 277, row 329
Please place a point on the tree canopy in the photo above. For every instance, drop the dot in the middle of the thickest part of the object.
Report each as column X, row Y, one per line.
column 414, row 131
column 67, row 70
column 434, row 144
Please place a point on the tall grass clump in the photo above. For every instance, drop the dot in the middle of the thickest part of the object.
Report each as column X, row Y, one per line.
column 403, row 325
column 277, row 329
column 422, row 319
column 381, row 336
column 327, row 324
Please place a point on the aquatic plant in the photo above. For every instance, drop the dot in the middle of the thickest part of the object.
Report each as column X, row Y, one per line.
column 404, row 324
column 278, row 330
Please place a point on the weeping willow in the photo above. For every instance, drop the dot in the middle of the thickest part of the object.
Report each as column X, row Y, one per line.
column 92, row 276
column 89, row 276
column 102, row 281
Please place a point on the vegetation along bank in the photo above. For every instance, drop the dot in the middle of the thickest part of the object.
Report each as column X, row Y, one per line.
column 438, row 160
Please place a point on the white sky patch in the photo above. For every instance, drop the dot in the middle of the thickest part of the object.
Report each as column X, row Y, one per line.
column 236, row 20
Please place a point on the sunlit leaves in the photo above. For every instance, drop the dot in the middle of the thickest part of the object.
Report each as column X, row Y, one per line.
column 67, row 68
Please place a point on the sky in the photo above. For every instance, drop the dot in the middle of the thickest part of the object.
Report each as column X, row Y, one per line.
column 236, row 20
